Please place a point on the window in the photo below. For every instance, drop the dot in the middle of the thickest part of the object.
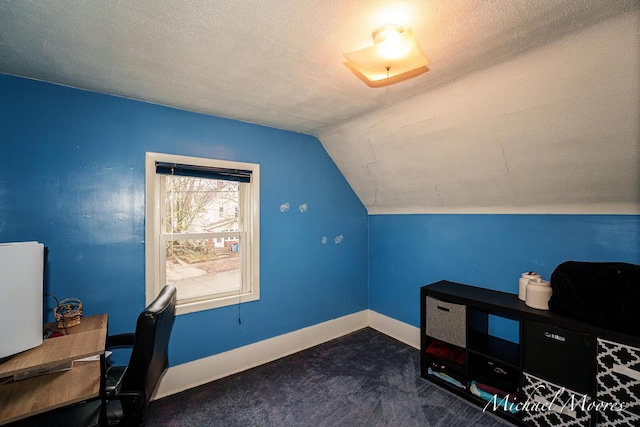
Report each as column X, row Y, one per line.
column 202, row 230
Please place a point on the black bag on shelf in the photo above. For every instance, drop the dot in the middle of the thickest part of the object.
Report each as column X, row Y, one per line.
column 454, row 370
column 606, row 294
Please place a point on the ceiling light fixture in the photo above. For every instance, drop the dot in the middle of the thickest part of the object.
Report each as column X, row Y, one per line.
column 394, row 56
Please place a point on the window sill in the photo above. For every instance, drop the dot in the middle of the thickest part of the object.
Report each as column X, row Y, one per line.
column 194, row 307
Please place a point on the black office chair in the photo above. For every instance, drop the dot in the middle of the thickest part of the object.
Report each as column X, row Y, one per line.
column 129, row 388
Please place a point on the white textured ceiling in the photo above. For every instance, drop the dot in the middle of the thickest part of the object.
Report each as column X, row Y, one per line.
column 529, row 106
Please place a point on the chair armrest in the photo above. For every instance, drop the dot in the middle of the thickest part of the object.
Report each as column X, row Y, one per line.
column 121, row 340
column 115, row 374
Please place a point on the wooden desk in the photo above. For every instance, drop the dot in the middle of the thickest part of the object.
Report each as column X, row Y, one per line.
column 21, row 399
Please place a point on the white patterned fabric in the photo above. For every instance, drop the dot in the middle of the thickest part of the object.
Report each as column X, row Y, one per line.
column 619, row 382
column 617, row 419
column 556, row 405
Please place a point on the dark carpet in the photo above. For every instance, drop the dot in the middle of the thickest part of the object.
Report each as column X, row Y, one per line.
column 362, row 379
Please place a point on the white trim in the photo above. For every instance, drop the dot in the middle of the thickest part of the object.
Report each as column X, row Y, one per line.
column 401, row 331
column 192, row 374
column 154, row 241
column 558, row 209
column 152, row 215
column 188, row 375
column 220, row 301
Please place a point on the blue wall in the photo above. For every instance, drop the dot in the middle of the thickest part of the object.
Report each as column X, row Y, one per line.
column 72, row 177
column 491, row 251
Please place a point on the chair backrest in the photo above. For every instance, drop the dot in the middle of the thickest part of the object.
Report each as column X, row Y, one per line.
column 150, row 353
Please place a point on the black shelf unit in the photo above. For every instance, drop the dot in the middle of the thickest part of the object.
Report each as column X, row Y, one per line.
column 530, row 358
column 494, row 348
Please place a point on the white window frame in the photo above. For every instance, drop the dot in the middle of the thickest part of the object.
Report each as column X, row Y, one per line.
column 154, row 242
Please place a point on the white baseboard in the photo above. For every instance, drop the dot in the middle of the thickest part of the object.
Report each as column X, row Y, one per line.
column 192, row 374
column 187, row 375
column 401, row 331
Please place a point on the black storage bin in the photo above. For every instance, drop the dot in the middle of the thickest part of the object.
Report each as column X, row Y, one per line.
column 494, row 373
column 559, row 355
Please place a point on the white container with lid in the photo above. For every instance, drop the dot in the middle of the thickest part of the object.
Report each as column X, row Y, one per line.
column 538, row 294
column 524, row 281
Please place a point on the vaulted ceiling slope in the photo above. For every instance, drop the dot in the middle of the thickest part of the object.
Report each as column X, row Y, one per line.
column 529, row 106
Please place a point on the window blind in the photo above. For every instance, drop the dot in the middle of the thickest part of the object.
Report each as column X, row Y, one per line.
column 238, row 175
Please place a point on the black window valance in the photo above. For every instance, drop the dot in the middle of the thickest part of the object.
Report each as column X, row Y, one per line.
column 238, row 175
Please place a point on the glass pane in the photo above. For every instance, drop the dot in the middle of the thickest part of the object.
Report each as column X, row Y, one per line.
column 201, row 267
column 196, row 205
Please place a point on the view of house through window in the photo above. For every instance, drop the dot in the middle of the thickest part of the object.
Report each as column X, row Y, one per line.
column 202, row 229
column 201, row 234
